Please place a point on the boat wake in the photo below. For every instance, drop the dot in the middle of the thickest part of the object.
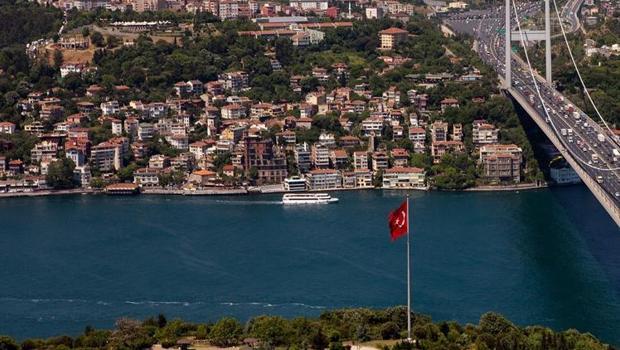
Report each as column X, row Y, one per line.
column 156, row 303
column 246, row 202
column 302, row 305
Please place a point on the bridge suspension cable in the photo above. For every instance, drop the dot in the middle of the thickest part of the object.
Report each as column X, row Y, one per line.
column 531, row 71
column 585, row 89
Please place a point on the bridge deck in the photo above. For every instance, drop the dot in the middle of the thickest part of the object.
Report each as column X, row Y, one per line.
column 601, row 195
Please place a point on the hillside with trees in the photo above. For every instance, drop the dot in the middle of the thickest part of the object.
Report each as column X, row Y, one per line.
column 24, row 21
column 333, row 330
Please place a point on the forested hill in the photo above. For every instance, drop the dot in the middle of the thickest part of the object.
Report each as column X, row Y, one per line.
column 333, row 330
column 24, row 21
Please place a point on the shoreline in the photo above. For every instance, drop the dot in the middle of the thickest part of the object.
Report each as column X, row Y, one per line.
column 271, row 189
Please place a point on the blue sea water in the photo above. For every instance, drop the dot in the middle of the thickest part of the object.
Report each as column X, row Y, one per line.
column 542, row 257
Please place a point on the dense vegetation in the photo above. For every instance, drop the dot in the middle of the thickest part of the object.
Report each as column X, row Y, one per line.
column 24, row 21
column 330, row 330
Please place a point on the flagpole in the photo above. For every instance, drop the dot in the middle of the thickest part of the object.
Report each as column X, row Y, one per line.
column 408, row 278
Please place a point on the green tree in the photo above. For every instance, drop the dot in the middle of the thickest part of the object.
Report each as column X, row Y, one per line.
column 58, row 59
column 272, row 330
column 60, row 174
column 97, row 39
column 7, row 343
column 226, row 332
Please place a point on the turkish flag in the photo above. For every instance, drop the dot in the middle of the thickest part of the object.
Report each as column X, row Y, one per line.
column 399, row 221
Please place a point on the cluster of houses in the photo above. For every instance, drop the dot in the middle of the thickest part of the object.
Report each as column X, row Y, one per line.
column 594, row 12
column 232, row 9
column 234, row 125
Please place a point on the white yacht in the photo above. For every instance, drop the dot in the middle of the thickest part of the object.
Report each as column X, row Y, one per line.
column 308, row 198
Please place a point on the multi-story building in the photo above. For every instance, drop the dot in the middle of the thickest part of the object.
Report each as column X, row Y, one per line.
column 374, row 12
column 159, row 161
column 501, row 162
column 303, row 157
column 145, row 131
column 360, row 160
column 295, row 184
column 148, row 5
column 484, row 133
column 440, row 148
column 309, row 5
column 380, row 161
column 417, row 134
column 7, row 128
column 44, row 150
column 323, row 179
column 235, row 81
column 117, row 127
column 391, row 37
column 180, row 142
column 339, row 158
column 320, row 156
column 146, row 177
column 457, row 132
column 268, row 162
column 110, row 107
column 400, row 157
column 404, row 178
column 439, row 131
column 372, row 126
column 228, row 9
column 233, row 111
column 106, row 157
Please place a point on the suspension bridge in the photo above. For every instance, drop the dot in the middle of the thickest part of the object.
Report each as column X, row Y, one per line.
column 586, row 142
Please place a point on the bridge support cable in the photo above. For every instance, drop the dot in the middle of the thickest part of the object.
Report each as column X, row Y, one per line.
column 542, row 100
column 585, row 89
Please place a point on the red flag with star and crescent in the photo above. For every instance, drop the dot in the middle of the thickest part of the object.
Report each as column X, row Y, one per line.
column 399, row 221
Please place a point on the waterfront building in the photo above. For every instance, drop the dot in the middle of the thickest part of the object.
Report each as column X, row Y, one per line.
column 295, row 184
column 501, row 162
column 404, row 178
column 269, row 162
column 146, row 177
column 323, row 179
column 82, row 175
column 564, row 175
column 203, row 177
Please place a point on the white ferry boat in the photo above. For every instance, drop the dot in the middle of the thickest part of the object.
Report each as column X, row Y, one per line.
column 308, row 198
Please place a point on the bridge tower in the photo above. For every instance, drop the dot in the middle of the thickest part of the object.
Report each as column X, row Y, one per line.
column 528, row 35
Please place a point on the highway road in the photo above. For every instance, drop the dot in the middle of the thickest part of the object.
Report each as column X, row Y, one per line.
column 594, row 148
